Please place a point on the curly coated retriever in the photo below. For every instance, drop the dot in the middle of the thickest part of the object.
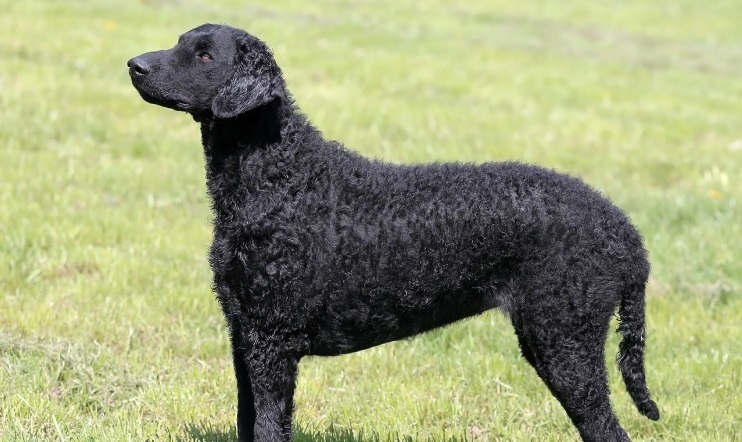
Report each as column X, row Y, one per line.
column 320, row 251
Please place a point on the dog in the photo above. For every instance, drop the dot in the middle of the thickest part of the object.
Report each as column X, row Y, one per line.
column 320, row 251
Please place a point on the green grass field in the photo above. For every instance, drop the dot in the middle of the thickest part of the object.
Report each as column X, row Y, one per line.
column 109, row 330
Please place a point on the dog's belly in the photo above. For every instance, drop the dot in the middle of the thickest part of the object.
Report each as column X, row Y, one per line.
column 348, row 328
column 387, row 299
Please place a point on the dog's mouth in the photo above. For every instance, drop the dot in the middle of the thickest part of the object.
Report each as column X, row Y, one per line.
column 155, row 97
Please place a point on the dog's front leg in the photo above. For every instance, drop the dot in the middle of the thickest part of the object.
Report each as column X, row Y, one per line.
column 270, row 386
column 245, row 421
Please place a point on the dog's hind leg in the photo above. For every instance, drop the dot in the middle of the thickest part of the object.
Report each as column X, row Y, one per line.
column 568, row 355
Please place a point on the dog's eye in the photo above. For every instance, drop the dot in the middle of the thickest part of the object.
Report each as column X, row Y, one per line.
column 205, row 56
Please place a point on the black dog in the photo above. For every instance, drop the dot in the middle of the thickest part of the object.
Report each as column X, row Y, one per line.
column 319, row 251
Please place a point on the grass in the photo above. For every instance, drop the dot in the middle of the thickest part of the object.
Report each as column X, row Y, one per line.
column 108, row 330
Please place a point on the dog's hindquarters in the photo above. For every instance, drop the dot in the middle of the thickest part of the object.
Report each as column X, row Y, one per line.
column 561, row 319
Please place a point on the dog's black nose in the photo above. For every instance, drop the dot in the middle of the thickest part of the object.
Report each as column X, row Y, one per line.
column 137, row 66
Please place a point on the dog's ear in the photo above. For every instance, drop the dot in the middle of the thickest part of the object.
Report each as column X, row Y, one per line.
column 256, row 80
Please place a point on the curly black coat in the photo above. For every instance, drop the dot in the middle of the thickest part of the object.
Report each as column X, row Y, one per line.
column 320, row 251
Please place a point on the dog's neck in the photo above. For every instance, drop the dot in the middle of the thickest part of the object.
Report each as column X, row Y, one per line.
column 244, row 133
column 252, row 151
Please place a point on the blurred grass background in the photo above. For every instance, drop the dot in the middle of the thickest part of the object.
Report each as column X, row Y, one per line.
column 108, row 329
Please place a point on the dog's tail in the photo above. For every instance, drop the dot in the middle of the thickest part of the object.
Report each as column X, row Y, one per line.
column 631, row 350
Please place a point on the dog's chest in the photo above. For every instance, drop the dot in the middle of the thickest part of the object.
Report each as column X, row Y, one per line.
column 259, row 260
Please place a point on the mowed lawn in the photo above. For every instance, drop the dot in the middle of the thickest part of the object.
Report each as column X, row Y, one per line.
column 108, row 327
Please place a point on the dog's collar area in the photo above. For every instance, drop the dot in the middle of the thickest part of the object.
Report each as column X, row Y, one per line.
column 203, row 117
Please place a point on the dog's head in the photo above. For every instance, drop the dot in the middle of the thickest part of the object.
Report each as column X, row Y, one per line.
column 213, row 69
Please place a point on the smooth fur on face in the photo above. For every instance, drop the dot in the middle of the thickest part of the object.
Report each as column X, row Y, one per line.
column 320, row 251
column 212, row 71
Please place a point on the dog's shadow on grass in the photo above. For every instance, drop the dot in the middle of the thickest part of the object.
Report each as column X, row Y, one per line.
column 201, row 432
column 212, row 433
